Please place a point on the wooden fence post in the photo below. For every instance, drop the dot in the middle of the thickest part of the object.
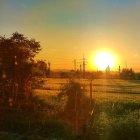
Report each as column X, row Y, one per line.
column 91, row 93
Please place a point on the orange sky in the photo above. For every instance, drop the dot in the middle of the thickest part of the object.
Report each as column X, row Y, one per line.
column 67, row 30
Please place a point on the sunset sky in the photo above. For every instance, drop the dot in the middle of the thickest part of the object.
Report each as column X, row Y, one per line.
column 69, row 29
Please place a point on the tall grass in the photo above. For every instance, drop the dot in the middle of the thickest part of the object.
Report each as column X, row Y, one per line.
column 117, row 115
column 115, row 121
column 77, row 108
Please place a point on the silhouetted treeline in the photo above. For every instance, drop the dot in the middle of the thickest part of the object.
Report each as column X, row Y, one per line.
column 41, row 69
column 16, row 60
column 127, row 74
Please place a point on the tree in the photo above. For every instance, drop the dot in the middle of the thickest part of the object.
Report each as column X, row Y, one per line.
column 127, row 74
column 41, row 68
column 16, row 60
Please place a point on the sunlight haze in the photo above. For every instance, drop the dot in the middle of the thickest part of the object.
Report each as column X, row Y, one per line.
column 68, row 29
column 104, row 60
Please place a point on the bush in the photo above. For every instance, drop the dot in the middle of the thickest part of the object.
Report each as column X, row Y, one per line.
column 9, row 136
column 77, row 108
column 33, row 126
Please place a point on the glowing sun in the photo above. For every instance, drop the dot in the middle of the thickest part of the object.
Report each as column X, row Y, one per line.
column 103, row 60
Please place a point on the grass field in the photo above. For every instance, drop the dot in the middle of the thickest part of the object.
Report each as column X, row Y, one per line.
column 105, row 89
column 117, row 103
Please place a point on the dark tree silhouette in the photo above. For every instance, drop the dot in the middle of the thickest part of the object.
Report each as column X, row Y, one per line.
column 41, row 68
column 16, row 60
column 127, row 74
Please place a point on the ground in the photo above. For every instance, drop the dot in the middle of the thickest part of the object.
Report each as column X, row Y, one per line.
column 117, row 105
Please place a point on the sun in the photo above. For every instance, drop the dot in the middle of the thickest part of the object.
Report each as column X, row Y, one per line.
column 103, row 60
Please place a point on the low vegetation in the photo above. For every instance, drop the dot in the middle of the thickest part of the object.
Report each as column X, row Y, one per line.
column 35, row 108
column 116, row 115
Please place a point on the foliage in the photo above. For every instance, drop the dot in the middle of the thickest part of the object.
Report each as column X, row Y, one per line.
column 41, row 69
column 33, row 125
column 77, row 108
column 127, row 74
column 9, row 136
column 16, row 59
column 116, row 113
column 137, row 76
column 115, row 121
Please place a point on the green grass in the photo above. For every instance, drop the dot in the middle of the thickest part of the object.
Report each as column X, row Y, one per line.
column 52, row 86
column 117, row 114
column 117, row 121
column 9, row 136
column 33, row 126
column 135, row 81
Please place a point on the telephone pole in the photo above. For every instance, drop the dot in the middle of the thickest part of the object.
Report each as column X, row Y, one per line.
column 75, row 64
column 119, row 69
column 84, row 66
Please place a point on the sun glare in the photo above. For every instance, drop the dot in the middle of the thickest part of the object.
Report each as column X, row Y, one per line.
column 103, row 60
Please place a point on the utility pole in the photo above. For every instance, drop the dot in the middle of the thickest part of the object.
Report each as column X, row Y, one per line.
column 75, row 64
column 84, row 65
column 119, row 69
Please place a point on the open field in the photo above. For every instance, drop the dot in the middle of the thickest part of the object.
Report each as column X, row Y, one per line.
column 104, row 89
column 117, row 105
